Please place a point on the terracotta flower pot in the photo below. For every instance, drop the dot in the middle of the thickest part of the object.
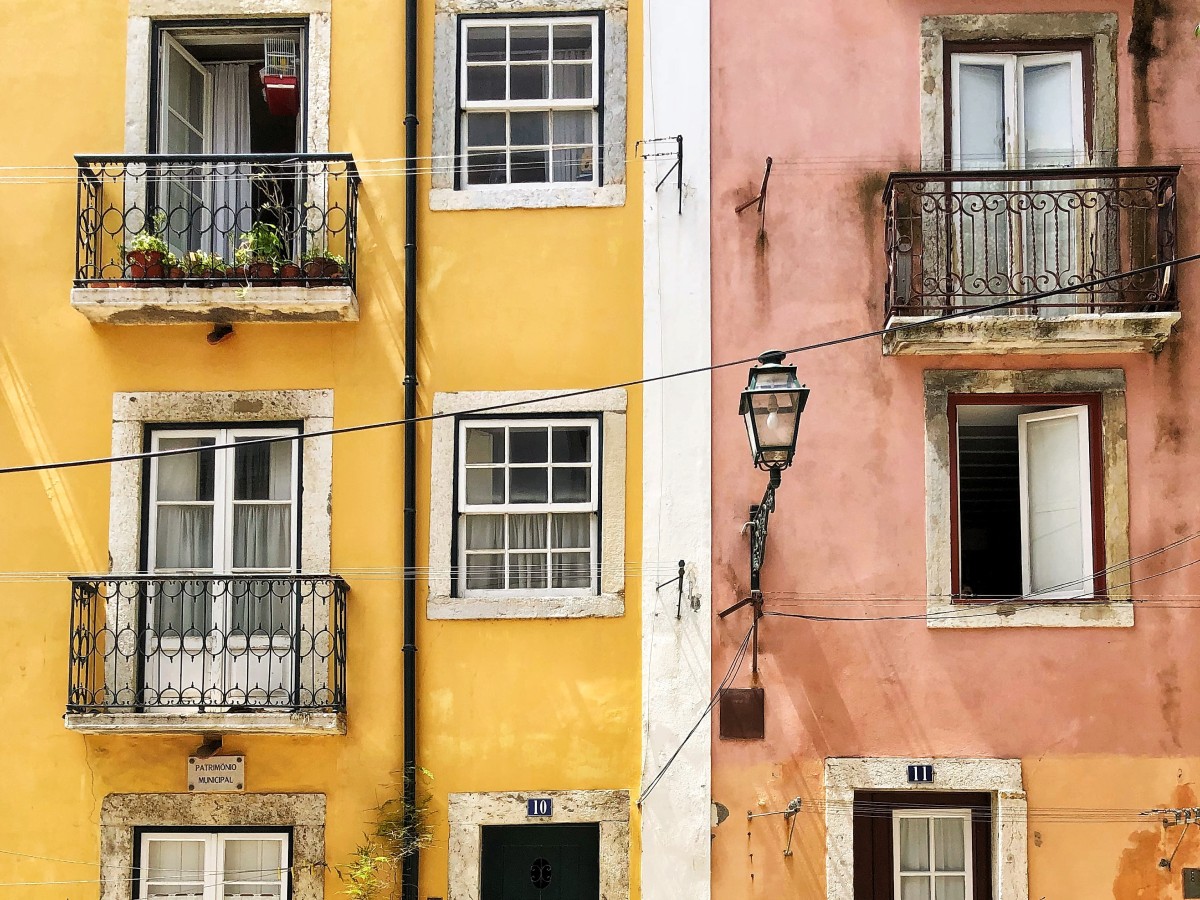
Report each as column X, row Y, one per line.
column 175, row 276
column 290, row 275
column 322, row 268
column 146, row 264
column 260, row 271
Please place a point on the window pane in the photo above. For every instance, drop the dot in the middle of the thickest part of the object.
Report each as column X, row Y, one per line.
column 530, row 128
column 182, row 607
column 263, row 471
column 951, row 887
column 486, row 168
column 485, row 571
column 485, row 486
column 527, row 486
column 185, row 537
column 185, row 91
column 573, row 127
column 252, row 860
column 485, row 44
column 188, row 476
column 485, row 532
column 175, row 860
column 529, row 42
column 527, row 532
column 527, row 570
column 262, row 607
column 572, row 81
column 914, row 887
column 1055, row 505
column 571, row 530
column 574, row 164
column 528, row 445
column 262, row 536
column 572, row 485
column 485, row 83
column 914, row 846
column 572, row 570
column 1048, row 120
column 949, row 845
column 981, row 116
column 573, row 42
column 530, row 166
column 530, row 82
column 485, row 130
column 485, row 445
column 572, row 445
column 248, row 891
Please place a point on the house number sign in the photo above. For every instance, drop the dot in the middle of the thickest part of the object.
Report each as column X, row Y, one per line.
column 216, row 773
column 539, row 807
column 920, row 774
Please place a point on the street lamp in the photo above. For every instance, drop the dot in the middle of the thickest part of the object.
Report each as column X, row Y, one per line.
column 771, row 406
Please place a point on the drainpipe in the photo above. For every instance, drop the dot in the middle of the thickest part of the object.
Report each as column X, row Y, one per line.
column 411, row 865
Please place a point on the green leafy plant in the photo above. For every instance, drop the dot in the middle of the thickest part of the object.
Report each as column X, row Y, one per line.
column 400, row 830
column 314, row 254
column 262, row 243
column 198, row 262
column 150, row 239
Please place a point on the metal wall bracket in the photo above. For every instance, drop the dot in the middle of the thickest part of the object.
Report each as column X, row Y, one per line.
column 652, row 151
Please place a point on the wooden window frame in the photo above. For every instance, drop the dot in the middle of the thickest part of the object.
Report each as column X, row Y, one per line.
column 1093, row 402
column 593, row 104
column 1084, row 46
column 874, row 837
column 214, row 854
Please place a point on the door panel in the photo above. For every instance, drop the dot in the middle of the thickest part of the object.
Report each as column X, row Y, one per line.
column 541, row 862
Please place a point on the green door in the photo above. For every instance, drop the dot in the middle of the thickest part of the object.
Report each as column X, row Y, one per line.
column 541, row 862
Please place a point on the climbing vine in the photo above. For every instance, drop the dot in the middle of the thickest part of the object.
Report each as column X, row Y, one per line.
column 400, row 830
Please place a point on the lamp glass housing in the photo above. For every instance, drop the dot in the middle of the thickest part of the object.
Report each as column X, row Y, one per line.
column 771, row 406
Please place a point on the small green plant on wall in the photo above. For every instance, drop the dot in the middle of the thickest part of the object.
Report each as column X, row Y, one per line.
column 400, row 831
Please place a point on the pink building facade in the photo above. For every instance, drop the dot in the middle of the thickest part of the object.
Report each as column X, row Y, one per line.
column 981, row 561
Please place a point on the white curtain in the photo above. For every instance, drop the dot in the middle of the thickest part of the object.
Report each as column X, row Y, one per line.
column 573, row 163
column 230, row 196
column 527, row 532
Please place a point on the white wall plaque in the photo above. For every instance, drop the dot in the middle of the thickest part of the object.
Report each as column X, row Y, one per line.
column 216, row 773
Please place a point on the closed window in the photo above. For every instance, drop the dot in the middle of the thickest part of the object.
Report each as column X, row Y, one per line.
column 529, row 100
column 931, row 854
column 528, row 506
column 1029, row 496
column 214, row 865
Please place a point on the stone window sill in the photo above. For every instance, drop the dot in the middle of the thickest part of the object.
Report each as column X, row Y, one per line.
column 584, row 607
column 987, row 334
column 172, row 305
column 943, row 613
column 198, row 723
column 540, row 197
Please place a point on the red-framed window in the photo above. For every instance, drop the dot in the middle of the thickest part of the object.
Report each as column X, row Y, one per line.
column 1026, row 496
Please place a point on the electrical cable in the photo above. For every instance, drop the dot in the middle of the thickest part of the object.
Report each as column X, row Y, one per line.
column 633, row 382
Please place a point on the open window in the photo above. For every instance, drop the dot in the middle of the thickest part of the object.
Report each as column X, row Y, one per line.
column 1028, row 484
column 218, row 91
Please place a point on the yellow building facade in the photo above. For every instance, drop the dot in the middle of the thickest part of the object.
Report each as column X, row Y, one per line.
column 206, row 248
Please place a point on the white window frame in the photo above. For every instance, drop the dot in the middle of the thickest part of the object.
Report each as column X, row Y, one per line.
column 1014, row 65
column 593, row 103
column 1087, row 527
column 223, row 502
column 898, row 873
column 446, row 600
column 591, row 507
column 611, row 54
column 214, row 857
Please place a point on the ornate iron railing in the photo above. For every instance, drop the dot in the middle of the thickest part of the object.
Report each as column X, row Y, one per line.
column 208, row 643
column 965, row 240
column 209, row 221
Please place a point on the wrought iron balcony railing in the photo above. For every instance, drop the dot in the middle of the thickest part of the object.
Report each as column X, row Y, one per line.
column 211, row 221
column 968, row 239
column 202, row 643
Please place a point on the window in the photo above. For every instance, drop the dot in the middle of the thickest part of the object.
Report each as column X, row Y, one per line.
column 1017, row 110
column 1027, row 491
column 922, row 845
column 530, row 101
column 528, row 495
column 214, row 865
column 527, row 511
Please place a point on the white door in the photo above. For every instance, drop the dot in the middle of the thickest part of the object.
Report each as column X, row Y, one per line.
column 185, row 127
column 225, row 512
column 1054, row 461
column 1017, row 111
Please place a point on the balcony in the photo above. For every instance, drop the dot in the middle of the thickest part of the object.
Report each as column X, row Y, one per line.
column 202, row 653
column 958, row 241
column 248, row 238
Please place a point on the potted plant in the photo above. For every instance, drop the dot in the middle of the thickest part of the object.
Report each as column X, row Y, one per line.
column 200, row 264
column 290, row 274
column 320, row 263
column 260, row 251
column 148, row 255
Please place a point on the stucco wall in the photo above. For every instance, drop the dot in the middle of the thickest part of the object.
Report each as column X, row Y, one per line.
column 833, row 93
